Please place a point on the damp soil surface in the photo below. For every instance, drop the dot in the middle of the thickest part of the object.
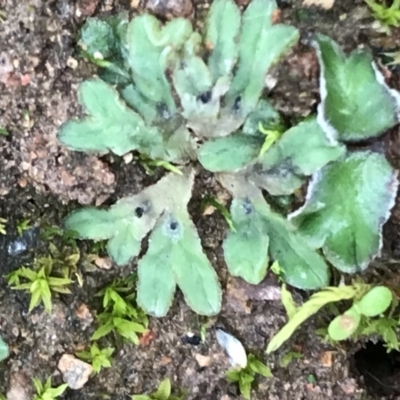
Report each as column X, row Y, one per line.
column 41, row 181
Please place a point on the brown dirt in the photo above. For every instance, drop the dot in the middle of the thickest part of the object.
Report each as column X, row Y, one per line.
column 38, row 176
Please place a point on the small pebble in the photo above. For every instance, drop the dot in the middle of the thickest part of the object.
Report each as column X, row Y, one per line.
column 233, row 347
column 19, row 387
column 170, row 8
column 75, row 372
column 203, row 361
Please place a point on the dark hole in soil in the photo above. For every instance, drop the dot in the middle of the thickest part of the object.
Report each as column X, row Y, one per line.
column 192, row 339
column 380, row 369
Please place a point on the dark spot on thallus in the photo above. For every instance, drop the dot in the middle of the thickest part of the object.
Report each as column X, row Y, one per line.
column 205, row 97
column 162, row 110
column 248, row 207
column 139, row 212
column 173, row 226
column 237, row 103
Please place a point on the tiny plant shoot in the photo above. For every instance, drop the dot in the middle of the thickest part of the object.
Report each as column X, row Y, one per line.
column 3, row 223
column 120, row 315
column 39, row 282
column 180, row 97
column 372, row 304
column 297, row 315
column 22, row 226
column 46, row 392
column 99, row 358
column 389, row 16
column 367, row 303
column 163, row 393
column 246, row 376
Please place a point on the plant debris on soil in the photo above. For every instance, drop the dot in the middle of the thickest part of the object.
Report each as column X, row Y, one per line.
column 42, row 181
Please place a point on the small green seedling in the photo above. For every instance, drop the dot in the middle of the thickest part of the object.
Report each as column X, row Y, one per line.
column 51, row 233
column 99, row 358
column 372, row 304
column 277, row 270
column 211, row 201
column 163, row 393
column 245, row 376
column 65, row 259
column 395, row 58
column 311, row 379
column 203, row 332
column 297, row 315
column 121, row 315
column 271, row 136
column 385, row 327
column 289, row 357
column 151, row 165
column 388, row 16
column 40, row 283
column 46, row 392
column 23, row 226
column 3, row 131
column 3, row 230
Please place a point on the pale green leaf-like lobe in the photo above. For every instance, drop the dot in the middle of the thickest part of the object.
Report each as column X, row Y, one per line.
column 193, row 83
column 246, row 249
column 347, row 203
column 156, row 281
column 111, row 125
column 375, row 302
column 229, row 153
column 193, row 272
column 355, row 104
column 316, row 152
column 303, row 267
column 260, row 45
column 129, row 220
column 191, row 76
column 91, row 223
column 138, row 102
column 97, row 38
column 281, row 170
column 152, row 48
column 4, row 350
column 343, row 326
column 200, row 96
column 125, row 244
column 175, row 255
column 222, row 31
